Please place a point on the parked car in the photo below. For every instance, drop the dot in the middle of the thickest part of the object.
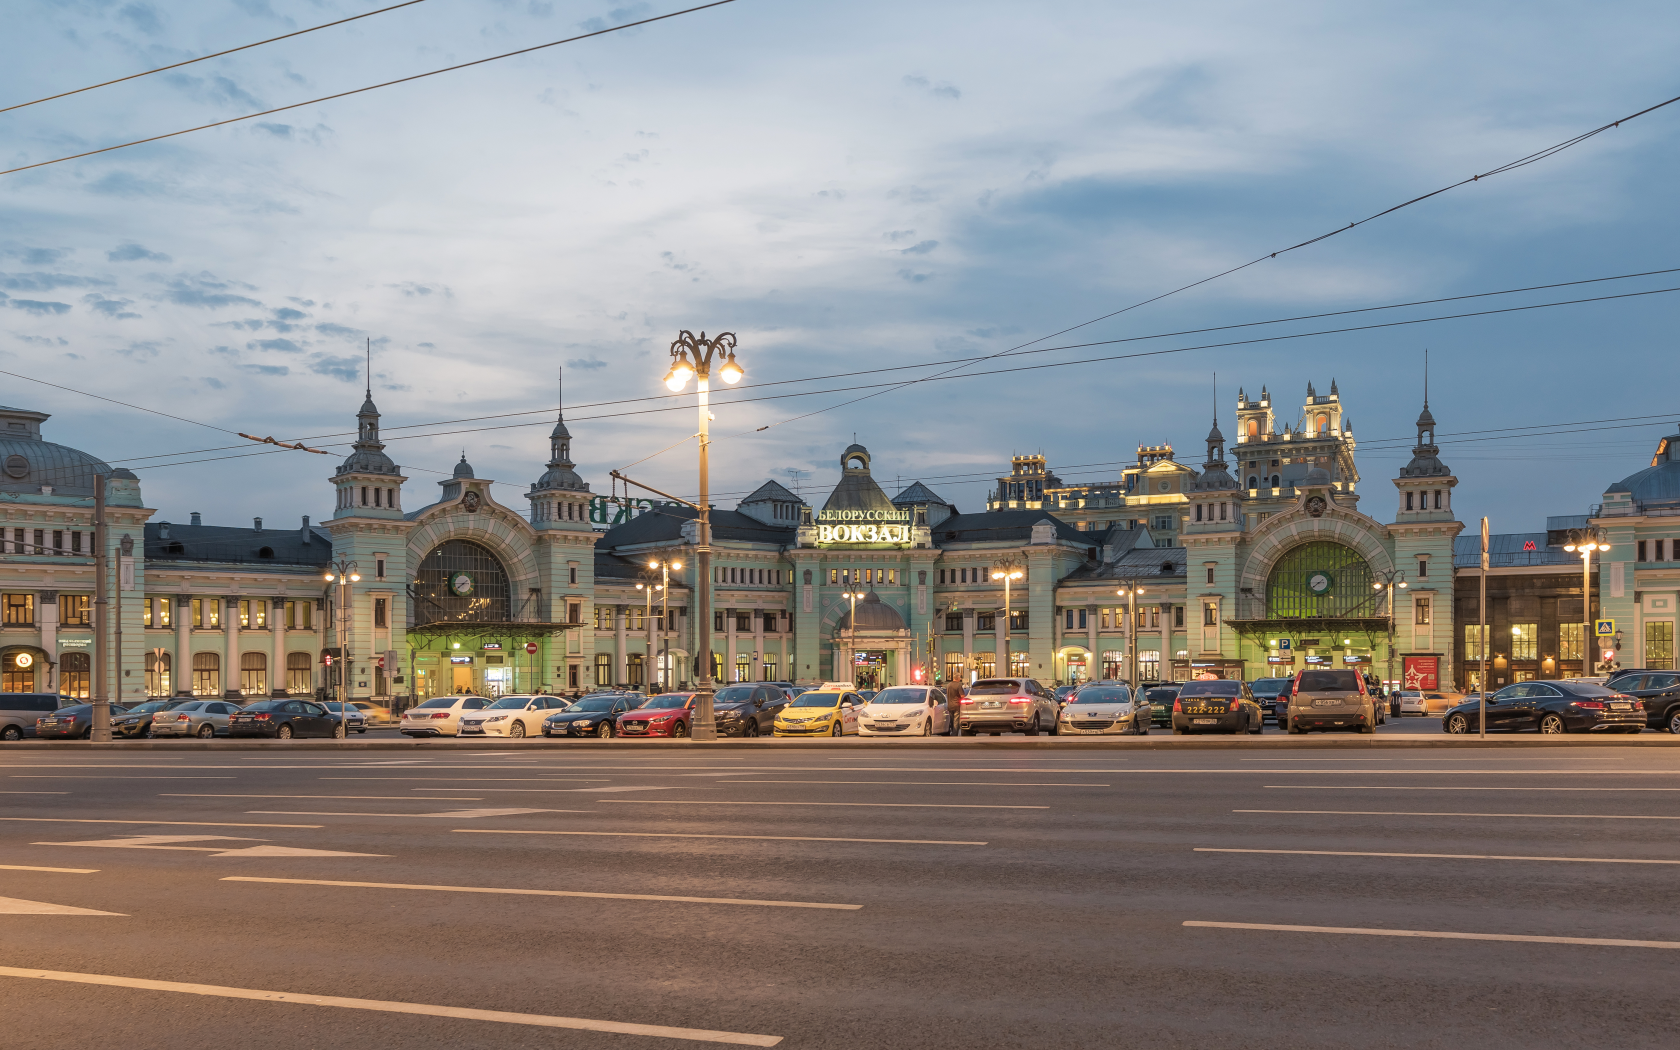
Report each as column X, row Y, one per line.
column 67, row 723
column 1160, row 696
column 747, row 710
column 284, row 719
column 1003, row 705
column 820, row 712
column 1551, row 707
column 440, row 716
column 354, row 720
column 595, row 715
column 19, row 713
column 1272, row 694
column 789, row 688
column 1426, row 702
column 516, row 715
column 867, row 694
column 1221, row 705
column 200, row 718
column 1659, row 691
column 137, row 721
column 1064, row 693
column 1329, row 698
column 1101, row 709
column 668, row 714
column 904, row 710
column 376, row 714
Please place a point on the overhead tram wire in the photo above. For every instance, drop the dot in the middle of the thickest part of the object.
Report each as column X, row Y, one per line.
column 206, row 58
column 1520, row 162
column 370, row 87
column 894, row 368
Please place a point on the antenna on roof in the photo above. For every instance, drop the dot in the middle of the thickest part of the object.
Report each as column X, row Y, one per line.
column 370, row 367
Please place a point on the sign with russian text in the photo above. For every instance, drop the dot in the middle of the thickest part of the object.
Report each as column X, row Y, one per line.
column 1421, row 672
column 870, row 533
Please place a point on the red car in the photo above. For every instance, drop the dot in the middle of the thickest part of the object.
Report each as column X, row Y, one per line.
column 669, row 714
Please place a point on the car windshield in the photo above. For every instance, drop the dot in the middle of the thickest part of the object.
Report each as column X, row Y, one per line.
column 1161, row 696
column 592, row 703
column 667, row 701
column 735, row 694
column 335, row 707
column 442, row 701
column 510, row 703
column 816, row 700
column 1218, row 687
column 900, row 694
column 1584, row 689
column 991, row 687
column 1102, row 694
column 1329, row 681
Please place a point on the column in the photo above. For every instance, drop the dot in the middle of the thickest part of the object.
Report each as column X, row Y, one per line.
column 729, row 650
column 277, row 665
column 46, row 616
column 1093, row 663
column 1000, row 642
column 967, row 642
column 180, row 666
column 758, row 645
column 621, row 616
column 230, row 663
column 901, row 666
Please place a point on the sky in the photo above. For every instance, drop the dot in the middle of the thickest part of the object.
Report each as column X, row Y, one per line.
column 845, row 187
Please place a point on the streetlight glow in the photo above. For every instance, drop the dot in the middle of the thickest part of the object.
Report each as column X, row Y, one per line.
column 731, row 372
column 679, row 375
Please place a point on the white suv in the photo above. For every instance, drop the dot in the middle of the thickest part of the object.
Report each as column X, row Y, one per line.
column 440, row 716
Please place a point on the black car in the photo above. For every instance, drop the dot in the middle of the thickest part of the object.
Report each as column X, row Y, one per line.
column 747, row 710
column 1551, row 707
column 1659, row 691
column 1272, row 694
column 1161, row 696
column 137, row 720
column 285, row 719
column 1219, row 705
column 71, row 723
column 594, row 715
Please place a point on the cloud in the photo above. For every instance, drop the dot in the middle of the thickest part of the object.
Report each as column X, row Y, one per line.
column 127, row 184
column 43, row 340
column 37, row 256
column 283, row 346
column 413, row 290
column 940, row 90
column 912, row 277
column 587, row 364
column 286, row 313
column 328, row 328
column 109, row 307
column 899, row 235
column 266, row 370
column 204, row 290
column 919, row 249
column 142, row 349
column 37, row 307
column 46, row 282
column 143, row 17
column 349, row 369
column 135, row 253
column 616, row 17
column 214, row 383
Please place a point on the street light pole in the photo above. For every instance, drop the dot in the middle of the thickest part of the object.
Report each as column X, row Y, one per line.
column 1586, row 541
column 1130, row 594
column 692, row 356
column 344, row 573
column 851, row 630
column 1390, row 580
column 1006, row 573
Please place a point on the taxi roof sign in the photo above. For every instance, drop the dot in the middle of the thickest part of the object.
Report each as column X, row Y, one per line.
column 1605, row 628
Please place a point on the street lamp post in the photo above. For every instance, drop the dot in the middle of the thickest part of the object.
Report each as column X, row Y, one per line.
column 1131, row 596
column 692, row 357
column 1586, row 541
column 647, row 587
column 1007, row 573
column 1389, row 580
column 344, row 573
column 664, row 565
column 851, row 630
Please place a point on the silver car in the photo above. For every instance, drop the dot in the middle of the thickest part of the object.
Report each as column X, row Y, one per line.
column 1331, row 699
column 1105, row 709
column 200, row 718
column 1008, row 705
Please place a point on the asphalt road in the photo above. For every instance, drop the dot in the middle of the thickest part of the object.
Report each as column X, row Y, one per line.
column 997, row 899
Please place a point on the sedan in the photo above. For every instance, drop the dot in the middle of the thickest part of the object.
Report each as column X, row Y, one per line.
column 1421, row 702
column 1105, row 709
column 1551, row 707
column 376, row 714
column 201, row 718
column 515, row 716
column 284, row 719
column 592, row 716
column 748, row 710
column 1659, row 691
column 440, row 716
column 820, row 712
column 137, row 721
column 71, row 723
column 905, row 710
column 1220, row 705
column 354, row 720
column 669, row 714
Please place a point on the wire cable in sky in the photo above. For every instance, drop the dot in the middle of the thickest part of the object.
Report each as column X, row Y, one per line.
column 370, row 87
column 205, row 58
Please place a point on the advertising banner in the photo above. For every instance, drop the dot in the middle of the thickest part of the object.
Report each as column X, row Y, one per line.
column 1421, row 672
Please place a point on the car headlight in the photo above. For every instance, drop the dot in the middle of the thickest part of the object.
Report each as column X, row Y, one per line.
column 495, row 718
column 583, row 723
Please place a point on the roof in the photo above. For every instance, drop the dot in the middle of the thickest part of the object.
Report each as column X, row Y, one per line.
column 219, row 543
column 771, row 490
column 873, row 614
column 28, row 462
column 1657, row 483
column 663, row 525
column 1509, row 550
column 1006, row 526
column 615, row 568
column 917, row 493
column 1140, row 562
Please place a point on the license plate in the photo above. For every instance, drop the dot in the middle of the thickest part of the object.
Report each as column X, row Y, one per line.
column 1204, row 721
column 1622, row 707
column 991, row 703
column 1331, row 702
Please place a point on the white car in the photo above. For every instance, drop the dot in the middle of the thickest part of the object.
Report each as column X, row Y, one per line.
column 516, row 716
column 1422, row 702
column 1100, row 709
column 440, row 716
column 904, row 710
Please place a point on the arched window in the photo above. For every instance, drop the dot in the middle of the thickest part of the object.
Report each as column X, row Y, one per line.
column 253, row 674
column 1275, row 481
column 1320, row 579
column 461, row 581
column 158, row 666
column 300, row 680
column 74, row 674
column 1323, row 423
column 1253, row 482
column 1253, row 429
column 207, row 674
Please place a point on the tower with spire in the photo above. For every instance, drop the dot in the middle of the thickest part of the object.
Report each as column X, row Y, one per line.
column 368, row 483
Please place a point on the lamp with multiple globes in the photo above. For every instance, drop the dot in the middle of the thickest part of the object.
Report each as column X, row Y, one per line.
column 1131, row 596
column 343, row 573
column 1584, row 542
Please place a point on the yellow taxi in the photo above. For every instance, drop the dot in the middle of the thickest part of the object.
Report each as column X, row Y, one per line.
column 820, row 712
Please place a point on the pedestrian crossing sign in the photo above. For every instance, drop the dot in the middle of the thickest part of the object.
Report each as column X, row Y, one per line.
column 1606, row 628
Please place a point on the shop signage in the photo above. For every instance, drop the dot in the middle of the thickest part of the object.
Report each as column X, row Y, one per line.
column 460, row 659
column 1351, row 659
column 23, row 659
column 1315, row 659
column 492, row 645
column 855, row 515
column 1280, row 659
column 616, row 510
column 1421, row 672
column 75, row 643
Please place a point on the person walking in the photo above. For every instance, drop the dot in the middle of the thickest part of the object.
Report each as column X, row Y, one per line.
column 953, row 706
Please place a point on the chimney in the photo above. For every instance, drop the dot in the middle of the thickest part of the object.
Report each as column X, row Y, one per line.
column 257, row 524
column 305, row 534
column 196, row 520
column 163, row 530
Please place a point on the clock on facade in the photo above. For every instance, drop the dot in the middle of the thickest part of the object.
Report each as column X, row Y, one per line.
column 461, row 584
column 1320, row 582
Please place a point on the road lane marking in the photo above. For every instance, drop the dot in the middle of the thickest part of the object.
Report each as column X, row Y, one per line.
column 34, row 792
column 1605, row 942
column 173, row 842
column 367, row 798
column 1450, row 787
column 422, row 1009
column 79, row 776
column 864, row 805
column 64, row 871
column 1408, row 813
column 688, row 835
column 922, row 783
column 471, row 780
column 460, row 814
column 550, row 893
column 1436, row 856
column 14, row 906
column 158, row 823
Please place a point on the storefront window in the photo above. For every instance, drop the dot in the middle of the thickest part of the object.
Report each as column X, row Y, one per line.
column 603, row 669
column 743, row 669
column 637, row 670
column 1473, row 641
column 985, row 665
column 299, row 677
column 1525, row 641
column 1659, row 645
column 253, row 674
column 207, row 672
column 74, row 674
column 954, row 664
column 1149, row 665
column 157, row 674
column 769, row 671
column 1113, row 663
column 1569, row 641
column 1020, row 665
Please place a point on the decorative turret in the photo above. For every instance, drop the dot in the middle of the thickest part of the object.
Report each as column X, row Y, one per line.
column 369, row 484
column 1425, row 483
column 560, row 498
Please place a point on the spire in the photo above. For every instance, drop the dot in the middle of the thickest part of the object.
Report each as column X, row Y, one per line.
column 560, row 474
column 367, row 454
column 1333, row 391
column 370, row 368
column 1310, row 394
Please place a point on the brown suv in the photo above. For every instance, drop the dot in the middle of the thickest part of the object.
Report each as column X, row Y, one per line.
column 1331, row 699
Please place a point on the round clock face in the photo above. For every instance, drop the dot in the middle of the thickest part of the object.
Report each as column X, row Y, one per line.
column 1319, row 582
column 461, row 583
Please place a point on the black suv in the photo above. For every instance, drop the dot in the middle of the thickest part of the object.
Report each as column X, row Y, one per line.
column 747, row 710
column 1660, row 690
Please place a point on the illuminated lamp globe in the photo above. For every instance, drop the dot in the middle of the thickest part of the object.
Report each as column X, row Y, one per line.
column 730, row 372
column 678, row 376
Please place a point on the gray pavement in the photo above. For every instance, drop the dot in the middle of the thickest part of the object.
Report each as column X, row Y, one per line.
column 1033, row 898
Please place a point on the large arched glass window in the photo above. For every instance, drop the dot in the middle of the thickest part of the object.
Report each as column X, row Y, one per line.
column 1320, row 579
column 461, row 582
